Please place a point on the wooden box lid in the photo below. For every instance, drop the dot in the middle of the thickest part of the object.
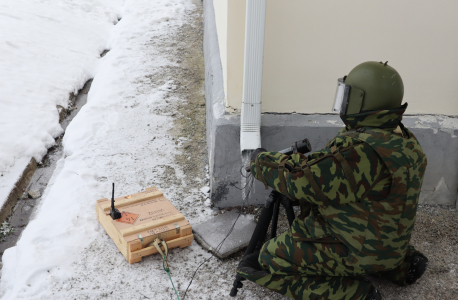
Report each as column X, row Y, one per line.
column 144, row 214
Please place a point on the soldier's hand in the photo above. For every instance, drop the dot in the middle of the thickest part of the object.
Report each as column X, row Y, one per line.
column 256, row 153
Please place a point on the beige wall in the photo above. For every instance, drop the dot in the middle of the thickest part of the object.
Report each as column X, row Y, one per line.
column 309, row 44
column 221, row 14
column 235, row 36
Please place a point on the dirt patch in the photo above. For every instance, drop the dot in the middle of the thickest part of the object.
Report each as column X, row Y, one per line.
column 185, row 102
column 185, row 81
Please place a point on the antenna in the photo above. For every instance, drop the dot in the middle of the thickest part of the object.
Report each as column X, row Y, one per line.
column 114, row 212
column 112, row 198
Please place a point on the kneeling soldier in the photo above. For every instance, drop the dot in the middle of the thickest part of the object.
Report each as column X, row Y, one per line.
column 358, row 199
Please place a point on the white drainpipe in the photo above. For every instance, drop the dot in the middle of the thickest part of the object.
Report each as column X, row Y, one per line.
column 250, row 129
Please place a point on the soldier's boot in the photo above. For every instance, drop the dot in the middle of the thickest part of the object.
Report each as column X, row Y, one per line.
column 374, row 294
column 250, row 268
column 418, row 265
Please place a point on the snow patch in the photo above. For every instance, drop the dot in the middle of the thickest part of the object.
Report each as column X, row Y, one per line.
column 50, row 48
column 64, row 253
column 205, row 190
column 9, row 178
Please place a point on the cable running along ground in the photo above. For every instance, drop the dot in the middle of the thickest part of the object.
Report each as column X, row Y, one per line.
column 250, row 186
column 168, row 273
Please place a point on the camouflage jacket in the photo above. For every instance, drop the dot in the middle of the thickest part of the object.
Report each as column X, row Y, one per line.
column 362, row 189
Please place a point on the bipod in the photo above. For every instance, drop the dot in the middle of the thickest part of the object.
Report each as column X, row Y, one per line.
column 269, row 213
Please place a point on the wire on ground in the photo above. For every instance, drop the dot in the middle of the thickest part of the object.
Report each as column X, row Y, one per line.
column 250, row 185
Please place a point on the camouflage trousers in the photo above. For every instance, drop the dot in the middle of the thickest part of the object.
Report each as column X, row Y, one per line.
column 310, row 270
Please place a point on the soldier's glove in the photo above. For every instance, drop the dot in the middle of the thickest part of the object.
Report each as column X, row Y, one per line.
column 255, row 154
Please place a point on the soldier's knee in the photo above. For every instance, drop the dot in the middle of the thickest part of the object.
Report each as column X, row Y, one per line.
column 263, row 253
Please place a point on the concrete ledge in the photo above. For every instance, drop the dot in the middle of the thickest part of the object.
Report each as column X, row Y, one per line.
column 278, row 131
column 212, row 232
column 438, row 138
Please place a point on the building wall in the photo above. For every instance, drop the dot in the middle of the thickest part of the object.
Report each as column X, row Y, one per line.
column 309, row 44
column 437, row 134
column 235, row 36
column 221, row 20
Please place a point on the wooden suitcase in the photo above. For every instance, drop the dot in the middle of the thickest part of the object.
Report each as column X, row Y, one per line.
column 145, row 216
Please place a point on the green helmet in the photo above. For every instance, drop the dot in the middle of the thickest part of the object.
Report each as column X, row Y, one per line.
column 369, row 86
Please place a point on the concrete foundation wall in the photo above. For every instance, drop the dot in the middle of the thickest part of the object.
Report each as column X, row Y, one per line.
column 437, row 135
column 278, row 131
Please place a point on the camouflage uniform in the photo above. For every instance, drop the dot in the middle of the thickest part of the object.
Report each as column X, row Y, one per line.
column 358, row 201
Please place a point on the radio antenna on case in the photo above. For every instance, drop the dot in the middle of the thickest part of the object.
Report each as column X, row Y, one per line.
column 114, row 212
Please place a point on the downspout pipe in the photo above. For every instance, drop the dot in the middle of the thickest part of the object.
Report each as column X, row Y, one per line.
column 250, row 129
